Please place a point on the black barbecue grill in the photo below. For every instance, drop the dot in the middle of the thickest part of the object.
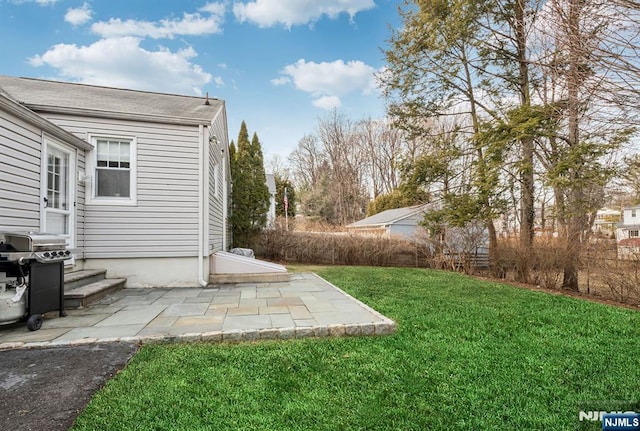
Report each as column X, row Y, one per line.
column 33, row 267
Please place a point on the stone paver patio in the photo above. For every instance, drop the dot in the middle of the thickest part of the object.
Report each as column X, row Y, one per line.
column 306, row 306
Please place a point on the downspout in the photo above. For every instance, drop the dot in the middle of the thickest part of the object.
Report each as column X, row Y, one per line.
column 201, row 190
column 225, row 210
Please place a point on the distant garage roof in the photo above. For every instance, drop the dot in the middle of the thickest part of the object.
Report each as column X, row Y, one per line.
column 388, row 217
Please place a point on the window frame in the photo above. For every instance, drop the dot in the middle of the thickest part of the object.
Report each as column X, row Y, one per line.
column 92, row 173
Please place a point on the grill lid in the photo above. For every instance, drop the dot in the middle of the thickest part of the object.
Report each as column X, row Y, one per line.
column 33, row 241
column 42, row 247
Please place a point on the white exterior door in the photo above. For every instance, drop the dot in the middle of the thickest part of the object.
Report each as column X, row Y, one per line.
column 58, row 191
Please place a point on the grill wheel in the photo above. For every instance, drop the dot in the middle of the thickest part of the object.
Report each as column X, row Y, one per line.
column 34, row 322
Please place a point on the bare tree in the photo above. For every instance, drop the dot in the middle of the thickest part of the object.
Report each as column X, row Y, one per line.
column 306, row 162
column 346, row 156
column 383, row 148
column 586, row 73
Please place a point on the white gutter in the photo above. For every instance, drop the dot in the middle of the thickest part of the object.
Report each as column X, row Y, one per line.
column 201, row 189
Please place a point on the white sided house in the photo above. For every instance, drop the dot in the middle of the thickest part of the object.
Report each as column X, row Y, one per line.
column 628, row 233
column 137, row 182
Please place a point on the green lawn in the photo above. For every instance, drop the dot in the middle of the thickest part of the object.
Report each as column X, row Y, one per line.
column 469, row 355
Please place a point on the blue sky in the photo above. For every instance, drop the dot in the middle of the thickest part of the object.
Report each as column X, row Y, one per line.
column 280, row 65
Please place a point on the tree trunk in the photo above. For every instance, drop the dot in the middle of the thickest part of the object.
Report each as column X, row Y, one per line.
column 527, row 211
column 575, row 204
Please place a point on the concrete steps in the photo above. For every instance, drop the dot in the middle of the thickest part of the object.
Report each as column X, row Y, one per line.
column 81, row 288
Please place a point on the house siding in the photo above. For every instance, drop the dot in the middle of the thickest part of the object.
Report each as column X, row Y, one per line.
column 20, row 154
column 218, row 169
column 164, row 221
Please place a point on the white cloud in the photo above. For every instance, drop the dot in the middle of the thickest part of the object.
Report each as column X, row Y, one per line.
column 214, row 8
column 268, row 13
column 122, row 62
column 79, row 16
column 40, row 2
column 191, row 24
column 283, row 80
column 327, row 102
column 327, row 82
column 218, row 81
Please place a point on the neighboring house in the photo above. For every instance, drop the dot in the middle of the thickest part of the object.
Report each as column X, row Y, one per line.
column 606, row 221
column 628, row 233
column 138, row 182
column 271, row 215
column 402, row 223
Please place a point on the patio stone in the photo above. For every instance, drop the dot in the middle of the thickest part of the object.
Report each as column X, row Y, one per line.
column 268, row 293
column 306, row 306
column 226, row 299
column 305, row 322
column 198, row 321
column 299, row 312
column 316, row 305
column 169, row 300
column 208, row 293
column 74, row 321
column 24, row 335
column 282, row 321
column 186, row 310
column 162, row 322
column 216, row 312
column 251, row 302
column 197, row 299
column 132, row 317
column 248, row 294
column 284, row 301
column 100, row 332
column 246, row 322
column 279, row 309
column 182, row 292
column 242, row 311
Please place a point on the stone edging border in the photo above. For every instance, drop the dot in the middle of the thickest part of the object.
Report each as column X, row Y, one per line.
column 386, row 327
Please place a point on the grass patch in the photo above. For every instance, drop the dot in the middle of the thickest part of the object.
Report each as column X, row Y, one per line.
column 468, row 355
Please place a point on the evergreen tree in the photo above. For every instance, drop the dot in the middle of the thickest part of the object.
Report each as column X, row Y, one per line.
column 250, row 195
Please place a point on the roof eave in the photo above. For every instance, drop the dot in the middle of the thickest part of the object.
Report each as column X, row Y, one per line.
column 33, row 118
column 121, row 115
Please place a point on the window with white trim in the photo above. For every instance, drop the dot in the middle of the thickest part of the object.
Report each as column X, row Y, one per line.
column 114, row 170
column 633, row 233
